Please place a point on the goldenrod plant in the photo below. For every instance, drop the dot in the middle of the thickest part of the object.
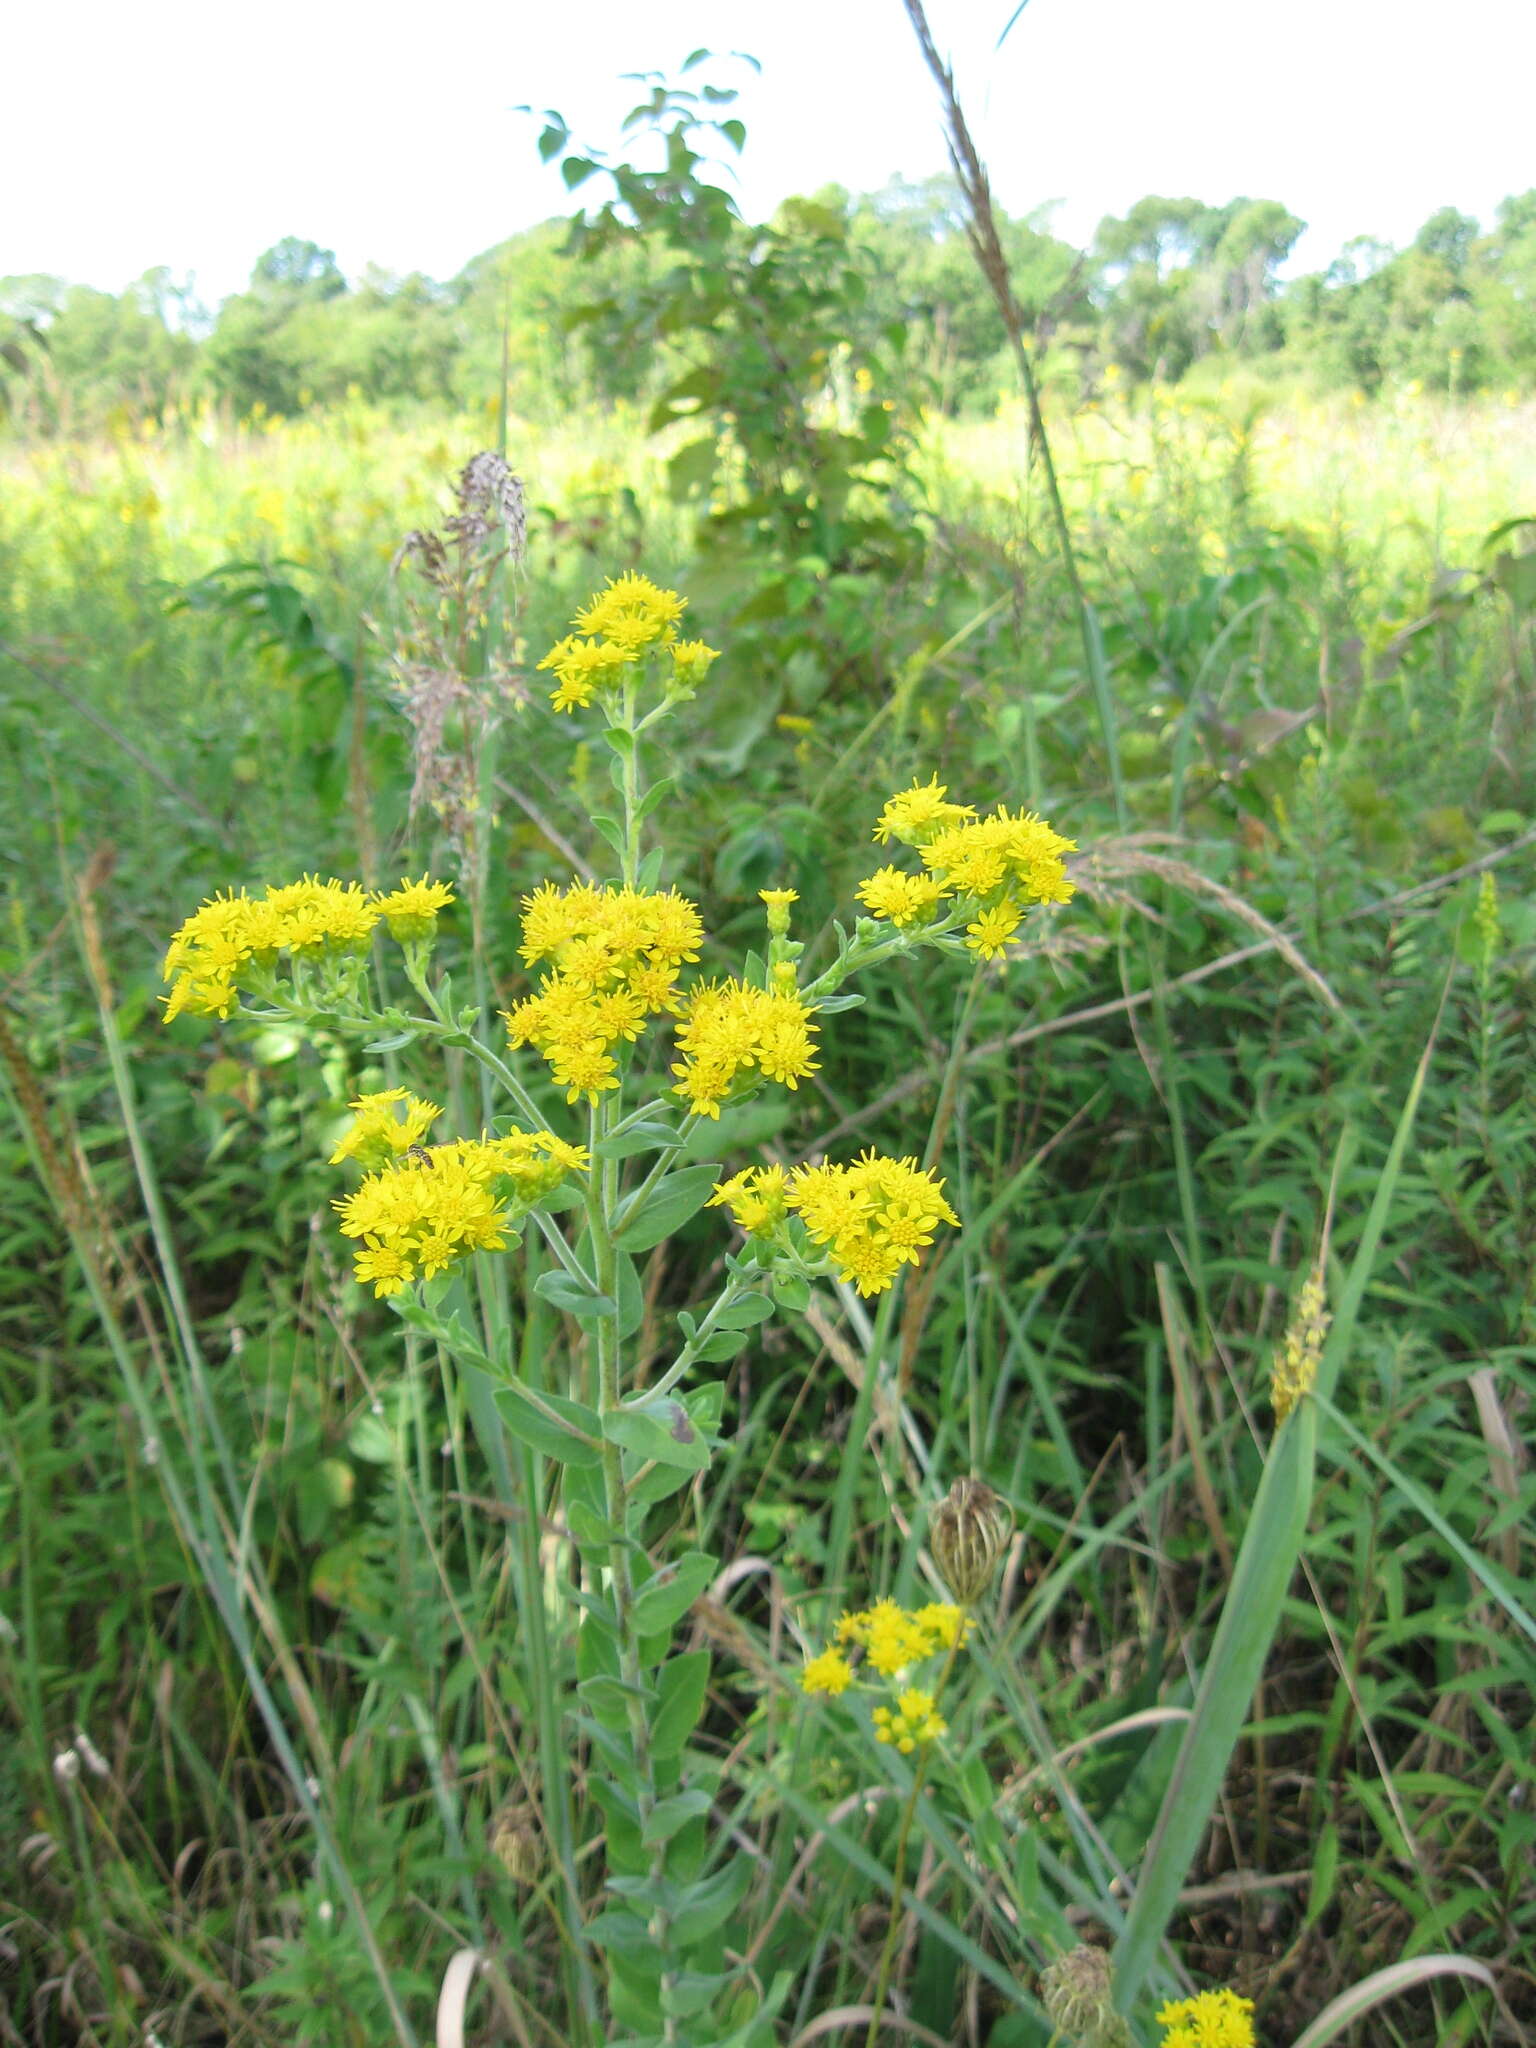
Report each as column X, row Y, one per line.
column 625, row 1043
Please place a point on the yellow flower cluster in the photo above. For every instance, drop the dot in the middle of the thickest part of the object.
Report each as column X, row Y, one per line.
column 728, row 1029
column 995, row 865
column 830, row 1673
column 434, row 1207
column 623, row 622
column 872, row 1217
column 215, row 949
column 385, row 1125
column 912, row 1722
column 411, row 910
column 893, row 1637
column 758, row 1198
column 615, row 956
column 1212, row 2019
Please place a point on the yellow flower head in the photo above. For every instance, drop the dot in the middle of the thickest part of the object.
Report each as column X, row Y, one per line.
column 873, row 1216
column 755, row 1197
column 1212, row 2019
column 615, row 956
column 829, row 1673
column 691, row 663
column 384, row 1126
column 915, row 814
column 633, row 609
column 214, row 952
column 1020, row 852
column 728, row 1031
column 893, row 1639
column 411, row 910
column 901, row 899
column 912, row 1723
column 582, row 667
column 988, row 934
column 434, row 1207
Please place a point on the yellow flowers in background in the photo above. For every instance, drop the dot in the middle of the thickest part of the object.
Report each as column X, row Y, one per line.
column 911, row 1722
column 893, row 1637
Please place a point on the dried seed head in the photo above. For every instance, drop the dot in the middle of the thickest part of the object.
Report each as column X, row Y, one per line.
column 489, row 496
column 516, row 1843
column 968, row 1532
column 1077, row 1991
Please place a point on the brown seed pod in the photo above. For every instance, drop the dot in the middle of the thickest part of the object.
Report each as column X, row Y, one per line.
column 1077, row 1992
column 968, row 1533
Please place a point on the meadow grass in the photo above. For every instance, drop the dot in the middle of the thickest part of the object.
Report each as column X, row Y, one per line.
column 263, row 1567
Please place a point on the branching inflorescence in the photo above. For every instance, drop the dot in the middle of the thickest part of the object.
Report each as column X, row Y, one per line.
column 621, row 1002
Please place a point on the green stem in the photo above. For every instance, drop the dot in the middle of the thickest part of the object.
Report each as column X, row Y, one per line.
column 896, row 1924
column 631, row 759
column 602, row 1201
column 665, row 1161
column 732, row 1291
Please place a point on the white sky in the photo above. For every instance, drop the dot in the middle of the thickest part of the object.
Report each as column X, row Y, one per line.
column 196, row 133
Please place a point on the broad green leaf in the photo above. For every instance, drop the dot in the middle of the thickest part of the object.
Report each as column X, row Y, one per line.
column 591, row 1530
column 663, row 1601
column 668, row 1815
column 552, row 1424
column 564, row 1291
column 703, row 1906
column 659, row 1429
column 681, row 1685
column 668, row 1205
column 649, row 1134
column 617, row 1928
column 745, row 1311
column 723, row 1344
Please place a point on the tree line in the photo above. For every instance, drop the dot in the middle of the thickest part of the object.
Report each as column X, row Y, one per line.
column 1172, row 285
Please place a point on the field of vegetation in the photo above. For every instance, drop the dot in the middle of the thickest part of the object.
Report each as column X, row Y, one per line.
column 463, row 1655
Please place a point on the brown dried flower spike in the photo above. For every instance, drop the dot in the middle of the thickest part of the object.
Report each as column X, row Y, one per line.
column 968, row 1533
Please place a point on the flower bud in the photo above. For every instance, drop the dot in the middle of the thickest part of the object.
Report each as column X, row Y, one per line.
column 1077, row 1992
column 968, row 1532
column 515, row 1842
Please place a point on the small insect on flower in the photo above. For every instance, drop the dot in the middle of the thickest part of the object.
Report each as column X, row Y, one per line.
column 419, row 1154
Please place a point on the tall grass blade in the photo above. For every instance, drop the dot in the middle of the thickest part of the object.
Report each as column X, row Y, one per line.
column 1251, row 1612
column 1350, row 2006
